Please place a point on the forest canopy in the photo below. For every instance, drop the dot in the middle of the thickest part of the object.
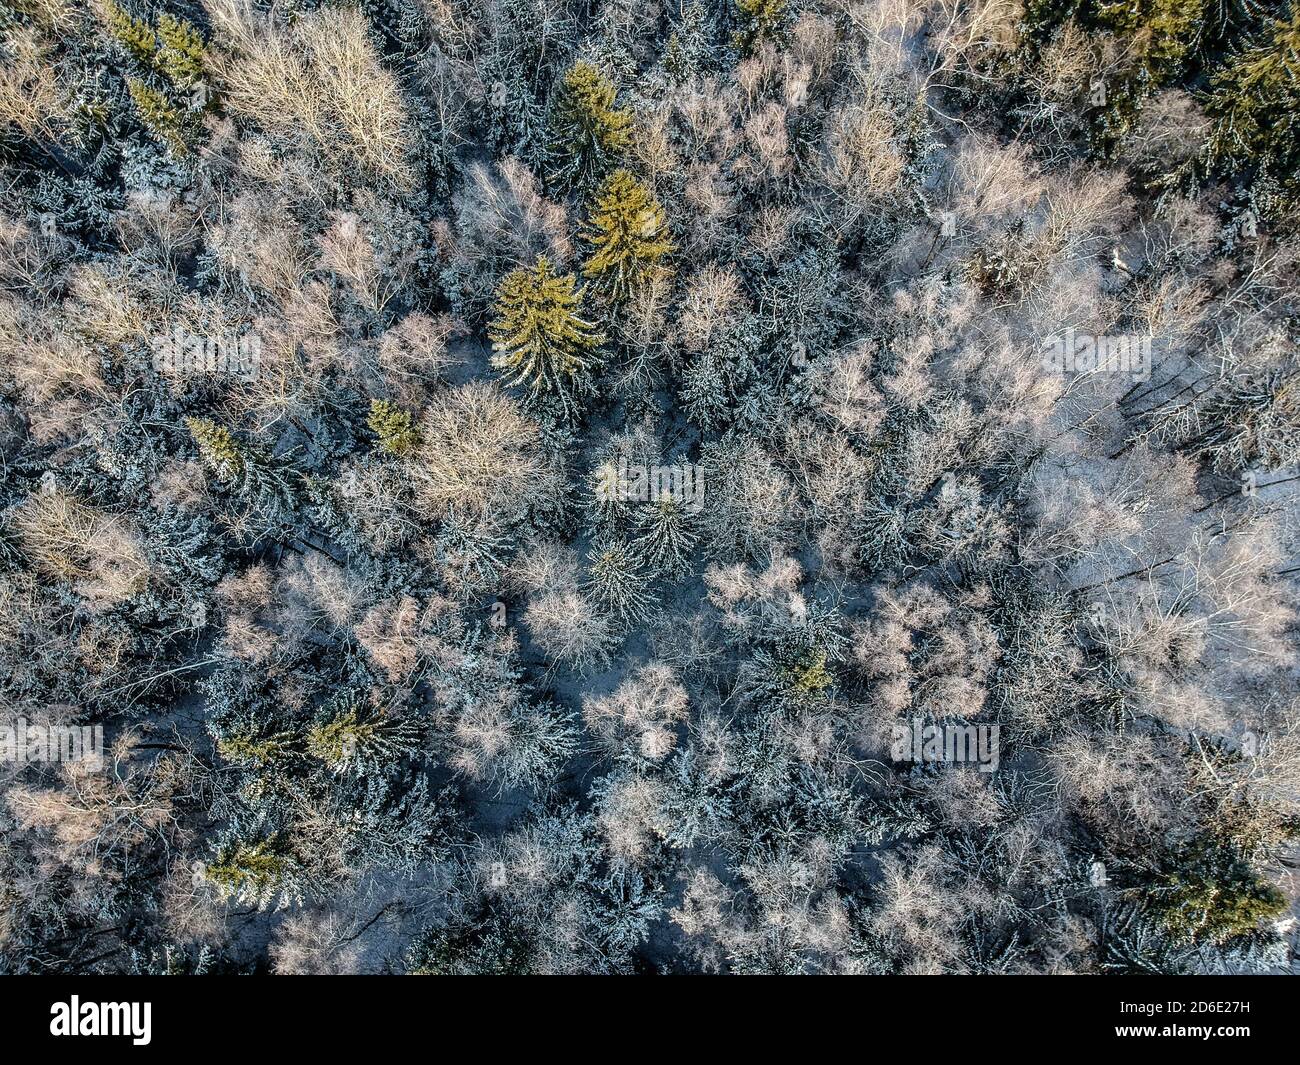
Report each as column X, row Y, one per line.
column 618, row 486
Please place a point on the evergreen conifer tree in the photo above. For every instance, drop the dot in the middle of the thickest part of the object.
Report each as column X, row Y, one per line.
column 617, row 583
column 241, row 468
column 588, row 130
column 353, row 738
column 666, row 539
column 180, row 51
column 131, row 33
column 159, row 116
column 256, row 872
column 539, row 336
column 1210, row 893
column 1255, row 105
column 628, row 233
column 393, row 426
column 760, row 20
column 689, row 51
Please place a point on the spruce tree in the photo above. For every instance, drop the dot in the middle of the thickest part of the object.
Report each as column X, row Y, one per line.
column 608, row 509
column 1163, row 32
column 218, row 448
column 1255, row 105
column 689, row 51
column 628, row 233
column 244, row 746
column 257, row 872
column 588, row 131
column 1160, row 39
column 180, row 52
column 393, row 426
column 131, row 33
column 796, row 673
column 159, row 116
column 666, row 539
column 352, row 737
column 538, row 334
column 760, row 20
column 617, row 583
column 1209, row 892
column 244, row 469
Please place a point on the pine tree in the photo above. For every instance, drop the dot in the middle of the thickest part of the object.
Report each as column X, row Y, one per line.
column 628, row 233
column 539, row 335
column 588, row 131
column 397, row 435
